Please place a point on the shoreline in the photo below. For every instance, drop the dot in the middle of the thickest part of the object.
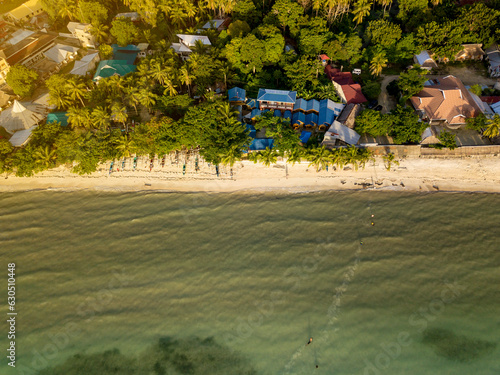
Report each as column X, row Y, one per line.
column 480, row 175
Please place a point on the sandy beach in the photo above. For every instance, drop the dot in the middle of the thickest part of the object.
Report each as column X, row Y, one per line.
column 471, row 174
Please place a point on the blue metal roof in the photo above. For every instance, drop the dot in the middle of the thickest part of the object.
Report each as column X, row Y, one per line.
column 288, row 115
column 277, row 113
column 236, row 94
column 298, row 117
column 300, row 104
column 255, row 112
column 335, row 107
column 281, row 96
column 128, row 53
column 313, row 105
column 59, row 117
column 326, row 116
column 261, row 144
column 304, row 136
column 252, row 130
column 311, row 118
column 252, row 103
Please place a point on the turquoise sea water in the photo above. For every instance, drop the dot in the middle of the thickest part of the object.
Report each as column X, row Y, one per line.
column 416, row 293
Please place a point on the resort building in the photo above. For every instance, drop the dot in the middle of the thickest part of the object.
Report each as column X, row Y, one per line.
column 25, row 11
column 61, row 54
column 86, row 64
column 276, row 99
column 445, row 101
column 81, row 31
column 425, row 61
column 348, row 90
column 26, row 48
column 236, row 96
column 338, row 132
column 186, row 42
column 108, row 68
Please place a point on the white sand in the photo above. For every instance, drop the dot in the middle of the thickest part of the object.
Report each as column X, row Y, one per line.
column 481, row 174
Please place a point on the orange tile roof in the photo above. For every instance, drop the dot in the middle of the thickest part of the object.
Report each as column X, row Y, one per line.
column 448, row 100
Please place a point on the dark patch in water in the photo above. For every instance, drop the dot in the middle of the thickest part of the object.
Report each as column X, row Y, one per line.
column 454, row 347
column 190, row 356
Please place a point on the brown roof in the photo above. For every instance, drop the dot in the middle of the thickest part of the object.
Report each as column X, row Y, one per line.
column 27, row 47
column 448, row 100
column 352, row 90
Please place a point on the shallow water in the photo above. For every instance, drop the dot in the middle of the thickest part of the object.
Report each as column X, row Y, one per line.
column 261, row 274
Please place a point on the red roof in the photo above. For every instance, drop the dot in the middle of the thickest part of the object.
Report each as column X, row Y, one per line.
column 352, row 90
column 490, row 99
column 324, row 57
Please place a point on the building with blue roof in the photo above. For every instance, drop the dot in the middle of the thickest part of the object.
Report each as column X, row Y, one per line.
column 298, row 118
column 277, row 113
column 128, row 53
column 313, row 105
column 236, row 94
column 300, row 105
column 288, row 115
column 304, row 136
column 108, row 68
column 59, row 117
column 276, row 99
column 251, row 103
column 311, row 119
column 328, row 111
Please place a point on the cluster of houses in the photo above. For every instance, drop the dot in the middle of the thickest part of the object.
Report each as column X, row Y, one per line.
column 306, row 116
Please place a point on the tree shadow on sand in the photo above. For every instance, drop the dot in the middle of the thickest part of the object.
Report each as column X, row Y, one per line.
column 454, row 347
column 193, row 356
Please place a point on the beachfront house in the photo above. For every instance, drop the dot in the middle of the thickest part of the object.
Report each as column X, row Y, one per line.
column 445, row 101
column 425, row 61
column 276, row 99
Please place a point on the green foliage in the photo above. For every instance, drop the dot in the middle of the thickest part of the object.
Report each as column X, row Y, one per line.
column 105, row 52
column 238, row 29
column 390, row 159
column 371, row 90
column 476, row 89
column 406, row 126
column 93, row 12
column 124, row 31
column 373, row 122
column 246, row 54
column 285, row 138
column 403, row 50
column 274, row 43
column 492, row 127
column 22, row 80
column 412, row 82
column 383, row 33
column 476, row 123
column 407, row 8
column 303, row 72
column 448, row 140
column 443, row 39
column 215, row 129
column 344, row 48
column 479, row 23
column 313, row 35
column 286, row 14
column 245, row 10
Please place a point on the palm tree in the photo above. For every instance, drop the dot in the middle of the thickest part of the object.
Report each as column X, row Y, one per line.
column 76, row 89
column 492, row 127
column 100, row 118
column 146, row 98
column 361, row 10
column 133, row 96
column 66, row 9
column 227, row 111
column 231, row 156
column 267, row 156
column 100, row 32
column 185, row 77
column 364, row 155
column 319, row 157
column 389, row 159
column 46, row 157
column 59, row 99
column 379, row 62
column 386, row 3
column 125, row 146
column 79, row 118
column 119, row 113
column 226, row 72
column 159, row 72
column 295, row 155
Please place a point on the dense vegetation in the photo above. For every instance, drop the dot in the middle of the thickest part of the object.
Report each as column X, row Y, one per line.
column 272, row 44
